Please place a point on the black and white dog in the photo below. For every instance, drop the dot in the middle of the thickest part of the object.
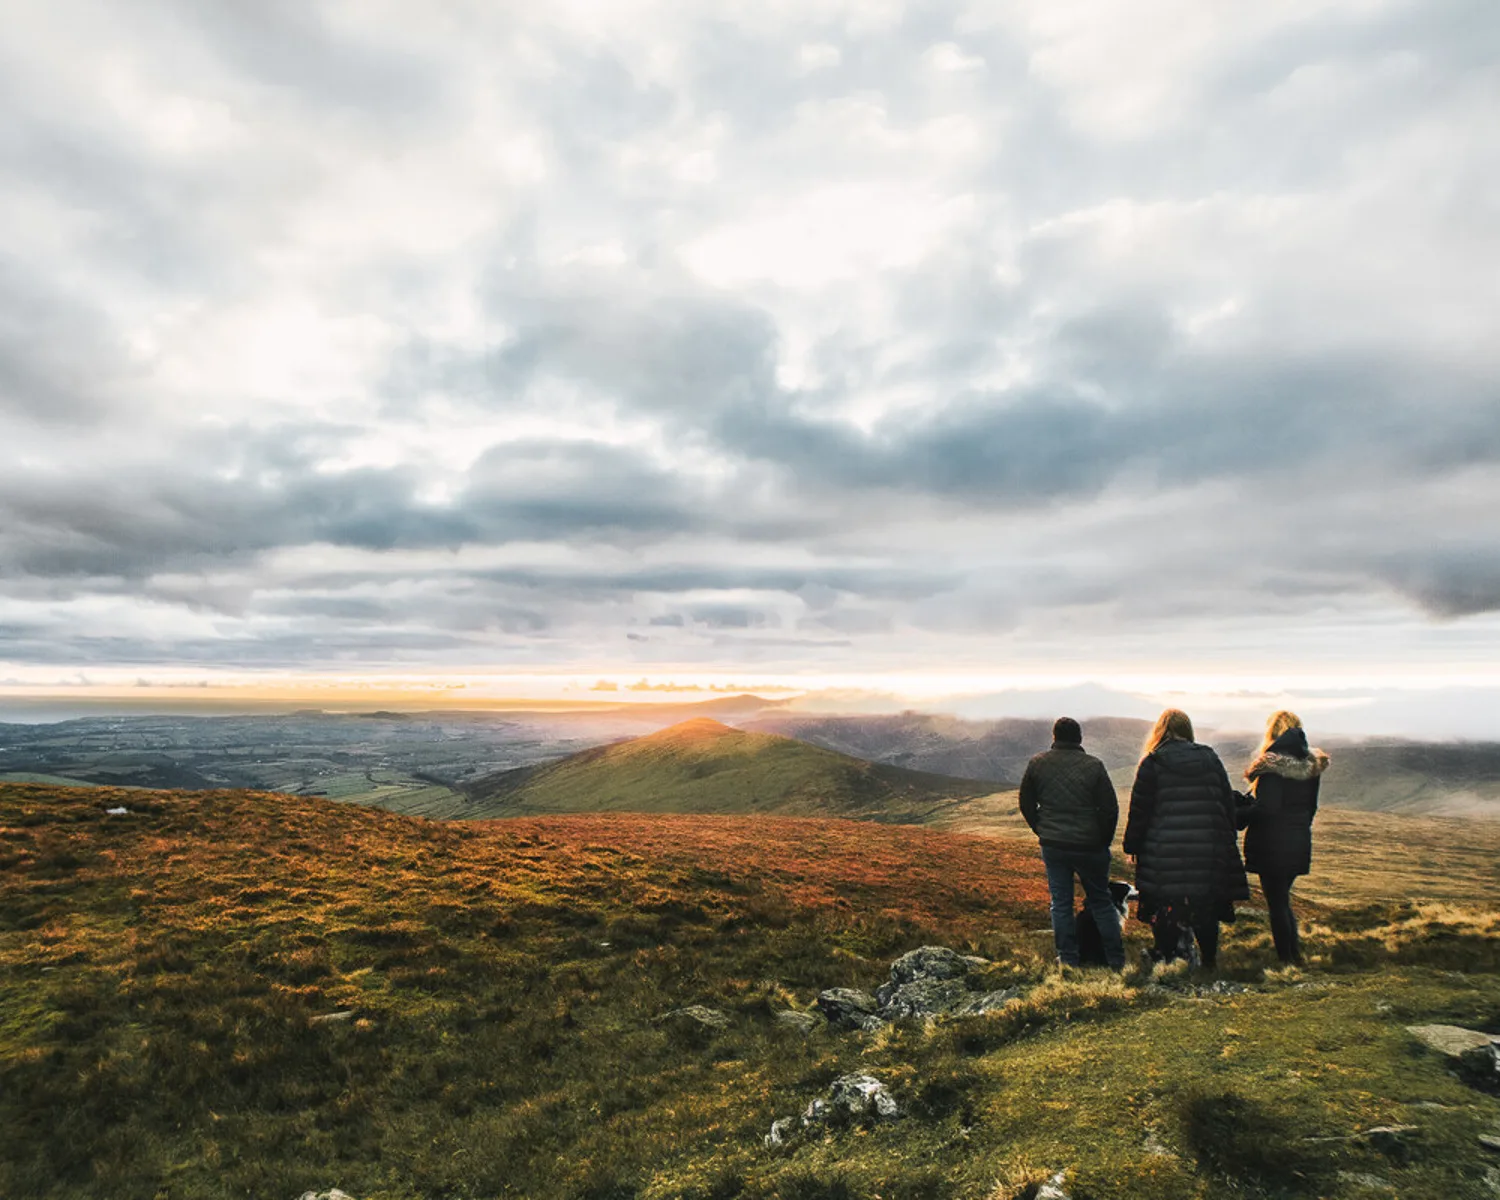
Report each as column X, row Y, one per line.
column 1090, row 943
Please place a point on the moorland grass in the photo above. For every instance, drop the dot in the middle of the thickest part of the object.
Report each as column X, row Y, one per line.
column 162, row 976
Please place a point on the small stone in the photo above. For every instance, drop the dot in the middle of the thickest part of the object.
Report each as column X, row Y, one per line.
column 782, row 1132
column 849, row 1008
column 332, row 1018
column 802, row 1022
column 330, row 1194
column 121, row 811
column 816, row 1112
column 1490, row 1141
column 1452, row 1040
column 1054, row 1188
column 698, row 1014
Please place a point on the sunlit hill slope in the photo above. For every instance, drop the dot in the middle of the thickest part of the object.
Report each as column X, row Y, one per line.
column 705, row 766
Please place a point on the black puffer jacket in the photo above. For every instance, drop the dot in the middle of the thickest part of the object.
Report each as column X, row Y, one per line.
column 1284, row 780
column 1182, row 827
column 1068, row 800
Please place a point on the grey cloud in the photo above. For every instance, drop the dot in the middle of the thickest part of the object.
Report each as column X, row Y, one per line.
column 285, row 44
column 1047, row 373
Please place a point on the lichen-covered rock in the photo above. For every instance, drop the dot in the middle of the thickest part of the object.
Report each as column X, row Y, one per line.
column 933, row 962
column 698, row 1014
column 854, row 1096
column 923, row 998
column 330, row 1194
column 988, row 1002
column 849, row 1008
column 782, row 1132
column 802, row 1022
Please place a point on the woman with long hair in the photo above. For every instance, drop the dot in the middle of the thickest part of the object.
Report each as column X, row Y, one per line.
column 1181, row 833
column 1278, row 844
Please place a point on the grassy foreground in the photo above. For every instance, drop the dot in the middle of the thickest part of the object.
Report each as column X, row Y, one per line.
column 163, row 972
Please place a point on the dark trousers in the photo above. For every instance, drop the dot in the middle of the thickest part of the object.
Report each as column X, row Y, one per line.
column 1277, row 890
column 1092, row 869
column 1170, row 923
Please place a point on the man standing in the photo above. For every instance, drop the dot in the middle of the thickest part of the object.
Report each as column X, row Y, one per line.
column 1070, row 804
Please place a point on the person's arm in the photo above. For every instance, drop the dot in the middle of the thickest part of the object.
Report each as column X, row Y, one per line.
column 1227, row 793
column 1316, row 780
column 1028, row 797
column 1107, row 805
column 1142, row 806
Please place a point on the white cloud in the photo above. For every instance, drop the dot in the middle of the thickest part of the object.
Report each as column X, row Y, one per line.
column 941, row 316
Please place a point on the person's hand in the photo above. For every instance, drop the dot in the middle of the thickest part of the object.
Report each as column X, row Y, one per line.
column 1130, row 858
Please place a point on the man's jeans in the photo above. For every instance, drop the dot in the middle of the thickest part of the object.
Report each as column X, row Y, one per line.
column 1092, row 869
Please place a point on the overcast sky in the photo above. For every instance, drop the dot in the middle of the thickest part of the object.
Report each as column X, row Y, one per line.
column 1062, row 337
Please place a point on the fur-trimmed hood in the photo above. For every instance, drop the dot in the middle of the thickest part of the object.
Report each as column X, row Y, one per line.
column 1289, row 766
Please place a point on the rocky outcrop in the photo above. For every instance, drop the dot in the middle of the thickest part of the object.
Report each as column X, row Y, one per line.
column 849, row 1008
column 921, row 998
column 927, row 982
column 850, row 1098
column 933, row 962
column 854, row 1096
column 1476, row 1054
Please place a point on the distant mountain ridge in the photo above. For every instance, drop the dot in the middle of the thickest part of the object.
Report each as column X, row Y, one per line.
column 1384, row 775
column 996, row 750
column 704, row 766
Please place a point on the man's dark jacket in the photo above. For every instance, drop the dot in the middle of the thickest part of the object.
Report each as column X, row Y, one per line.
column 1068, row 800
column 1182, row 827
column 1285, row 782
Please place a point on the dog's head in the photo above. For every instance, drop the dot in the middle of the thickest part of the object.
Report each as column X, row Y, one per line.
column 1121, row 893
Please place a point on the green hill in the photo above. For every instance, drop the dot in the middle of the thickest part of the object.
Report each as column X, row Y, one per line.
column 703, row 766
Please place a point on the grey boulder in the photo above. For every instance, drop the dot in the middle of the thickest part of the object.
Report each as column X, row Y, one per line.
column 854, row 1096
column 1453, row 1040
column 849, row 1008
column 933, row 962
column 923, row 998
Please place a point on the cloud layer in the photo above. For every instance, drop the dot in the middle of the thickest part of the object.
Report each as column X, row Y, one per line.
column 863, row 335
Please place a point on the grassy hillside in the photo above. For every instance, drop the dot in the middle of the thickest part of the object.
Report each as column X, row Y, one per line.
column 704, row 766
column 163, row 974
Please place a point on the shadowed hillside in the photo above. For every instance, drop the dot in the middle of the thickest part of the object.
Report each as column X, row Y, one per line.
column 704, row 766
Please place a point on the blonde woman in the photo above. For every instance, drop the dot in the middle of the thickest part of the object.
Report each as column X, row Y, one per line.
column 1181, row 834
column 1278, row 845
